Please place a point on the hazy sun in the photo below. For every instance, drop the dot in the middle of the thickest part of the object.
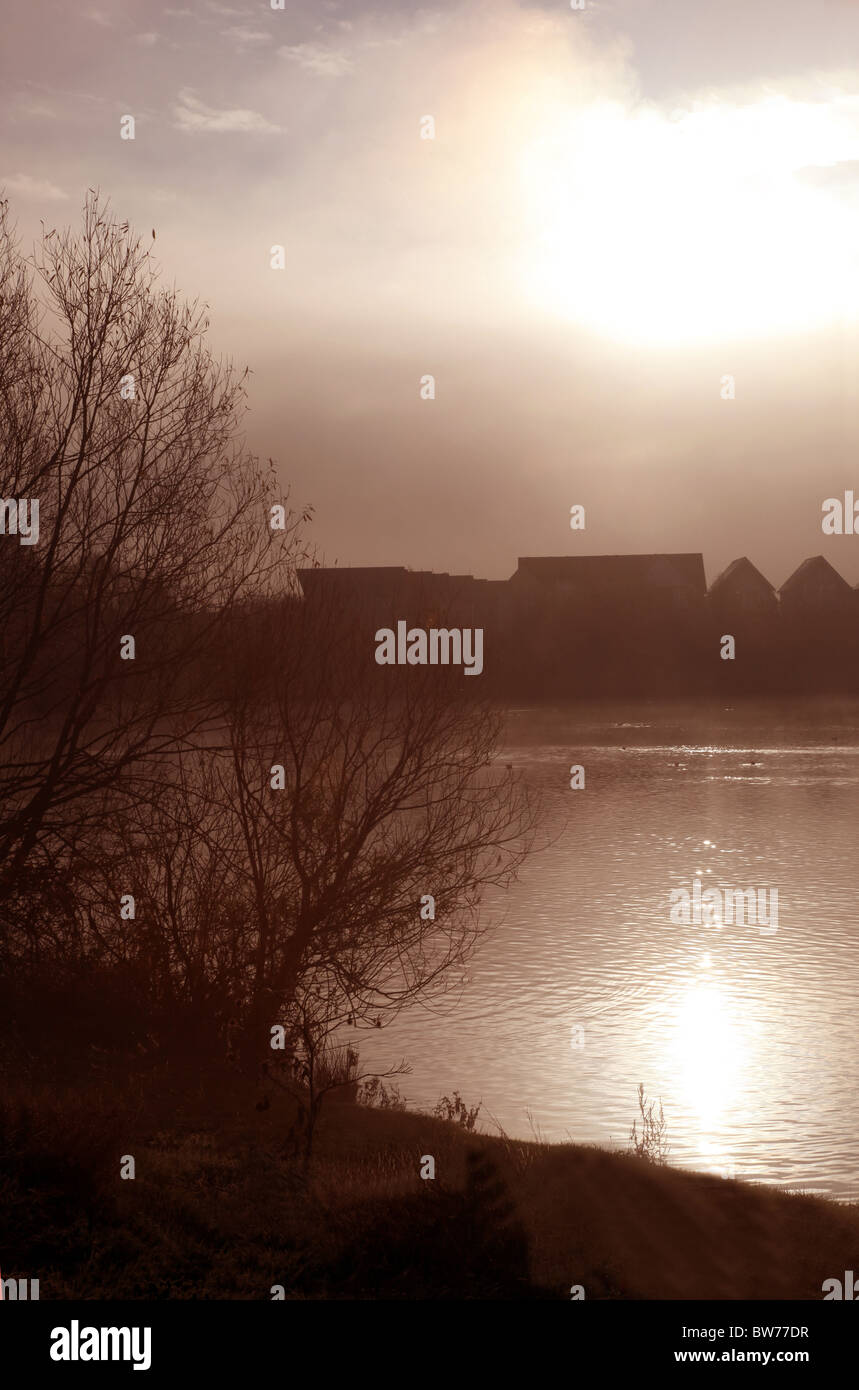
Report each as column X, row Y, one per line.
column 719, row 221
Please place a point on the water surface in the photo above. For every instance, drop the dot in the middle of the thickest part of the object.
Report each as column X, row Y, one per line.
column 583, row 987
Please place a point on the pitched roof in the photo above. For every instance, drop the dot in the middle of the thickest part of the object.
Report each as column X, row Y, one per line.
column 741, row 574
column 814, row 575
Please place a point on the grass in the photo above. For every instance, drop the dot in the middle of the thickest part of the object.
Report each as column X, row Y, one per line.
column 217, row 1210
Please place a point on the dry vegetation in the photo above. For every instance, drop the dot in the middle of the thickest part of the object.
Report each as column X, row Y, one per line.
column 220, row 1208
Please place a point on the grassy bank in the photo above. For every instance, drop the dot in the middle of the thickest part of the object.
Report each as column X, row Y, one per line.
column 218, row 1210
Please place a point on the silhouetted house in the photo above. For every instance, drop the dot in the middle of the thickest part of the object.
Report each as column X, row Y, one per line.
column 437, row 599
column 368, row 598
column 361, row 586
column 393, row 592
column 820, row 629
column 816, row 594
column 616, row 624
column 594, row 624
column 741, row 592
column 481, row 603
column 743, row 604
column 674, row 582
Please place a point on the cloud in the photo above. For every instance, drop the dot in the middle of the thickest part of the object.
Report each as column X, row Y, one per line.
column 193, row 115
column 844, row 173
column 36, row 109
column 24, row 186
column 147, row 39
column 245, row 35
column 313, row 57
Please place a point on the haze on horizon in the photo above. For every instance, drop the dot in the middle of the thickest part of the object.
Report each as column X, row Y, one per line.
column 620, row 206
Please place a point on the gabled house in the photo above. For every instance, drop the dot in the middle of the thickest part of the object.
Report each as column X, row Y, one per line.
column 816, row 594
column 617, row 624
column 741, row 593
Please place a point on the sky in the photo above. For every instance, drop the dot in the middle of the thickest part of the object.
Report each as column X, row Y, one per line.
column 621, row 207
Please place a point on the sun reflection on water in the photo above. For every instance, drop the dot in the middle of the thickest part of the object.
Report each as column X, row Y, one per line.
column 709, row 1050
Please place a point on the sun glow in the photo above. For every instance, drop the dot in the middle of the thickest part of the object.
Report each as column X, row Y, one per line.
column 718, row 221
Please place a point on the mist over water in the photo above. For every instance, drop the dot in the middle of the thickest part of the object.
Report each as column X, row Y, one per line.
column 749, row 1038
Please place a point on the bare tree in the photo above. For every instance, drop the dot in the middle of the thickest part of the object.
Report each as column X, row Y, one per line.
column 293, row 821
column 313, row 1066
column 154, row 524
column 332, row 847
column 367, row 817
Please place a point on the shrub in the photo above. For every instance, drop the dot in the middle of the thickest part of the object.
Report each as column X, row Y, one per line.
column 457, row 1111
column 652, row 1143
column 373, row 1091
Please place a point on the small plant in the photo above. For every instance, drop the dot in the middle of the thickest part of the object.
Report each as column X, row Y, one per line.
column 374, row 1092
column 652, row 1143
column 314, row 1066
column 457, row 1111
column 337, row 1067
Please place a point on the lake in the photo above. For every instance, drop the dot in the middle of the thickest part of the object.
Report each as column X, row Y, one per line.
column 584, row 986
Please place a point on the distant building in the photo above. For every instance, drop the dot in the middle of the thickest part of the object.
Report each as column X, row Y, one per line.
column 591, row 625
column 820, row 629
column 603, row 624
column 382, row 595
column 816, row 594
column 743, row 604
column 358, row 585
column 742, row 592
column 675, row 581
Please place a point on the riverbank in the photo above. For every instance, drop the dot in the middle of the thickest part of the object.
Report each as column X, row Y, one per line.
column 216, row 1210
